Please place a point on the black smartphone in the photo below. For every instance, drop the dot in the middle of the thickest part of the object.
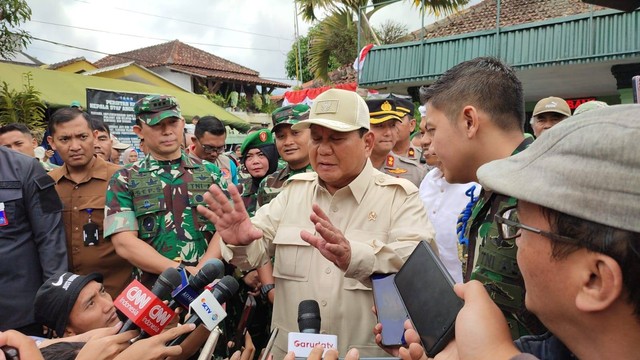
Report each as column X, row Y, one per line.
column 391, row 312
column 245, row 319
column 426, row 289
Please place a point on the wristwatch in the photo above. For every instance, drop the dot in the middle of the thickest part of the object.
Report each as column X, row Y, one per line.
column 264, row 290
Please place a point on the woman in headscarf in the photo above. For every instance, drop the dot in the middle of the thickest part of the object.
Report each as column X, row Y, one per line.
column 260, row 158
column 130, row 156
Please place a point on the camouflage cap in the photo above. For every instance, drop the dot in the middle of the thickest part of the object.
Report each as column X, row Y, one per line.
column 290, row 114
column 256, row 139
column 154, row 108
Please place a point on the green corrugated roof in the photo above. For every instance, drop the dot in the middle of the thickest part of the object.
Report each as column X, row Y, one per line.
column 60, row 88
column 585, row 38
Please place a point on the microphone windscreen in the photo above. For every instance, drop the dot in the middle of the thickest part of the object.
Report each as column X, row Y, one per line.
column 166, row 283
column 309, row 316
column 226, row 288
column 211, row 270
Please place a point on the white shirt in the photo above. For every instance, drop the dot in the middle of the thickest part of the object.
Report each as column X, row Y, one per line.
column 444, row 203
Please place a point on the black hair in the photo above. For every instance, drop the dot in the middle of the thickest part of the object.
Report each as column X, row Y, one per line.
column 620, row 245
column 98, row 124
column 63, row 350
column 209, row 124
column 65, row 115
column 15, row 127
column 486, row 83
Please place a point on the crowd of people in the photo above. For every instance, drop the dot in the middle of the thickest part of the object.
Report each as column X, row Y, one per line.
column 539, row 232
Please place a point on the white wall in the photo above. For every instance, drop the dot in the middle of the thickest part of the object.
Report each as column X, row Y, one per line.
column 180, row 79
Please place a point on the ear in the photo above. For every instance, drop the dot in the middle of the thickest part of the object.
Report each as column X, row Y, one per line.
column 368, row 142
column 95, row 134
column 51, row 143
column 601, row 284
column 470, row 121
column 68, row 332
column 137, row 129
column 34, row 142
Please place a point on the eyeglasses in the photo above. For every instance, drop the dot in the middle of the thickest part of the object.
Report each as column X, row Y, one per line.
column 509, row 229
column 209, row 149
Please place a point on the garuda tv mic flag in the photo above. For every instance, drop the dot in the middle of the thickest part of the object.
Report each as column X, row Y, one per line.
column 207, row 309
column 144, row 308
column 301, row 343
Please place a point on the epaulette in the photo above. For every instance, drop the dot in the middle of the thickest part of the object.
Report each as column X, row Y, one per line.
column 306, row 176
column 387, row 180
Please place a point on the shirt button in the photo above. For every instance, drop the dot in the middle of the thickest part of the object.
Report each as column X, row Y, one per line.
column 323, row 302
column 75, row 208
column 433, row 211
column 76, row 228
column 75, row 187
column 327, row 270
column 334, row 208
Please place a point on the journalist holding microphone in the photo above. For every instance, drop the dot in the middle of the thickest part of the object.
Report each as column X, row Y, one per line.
column 329, row 230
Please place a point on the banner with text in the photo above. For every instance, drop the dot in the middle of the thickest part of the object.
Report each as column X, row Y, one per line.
column 116, row 110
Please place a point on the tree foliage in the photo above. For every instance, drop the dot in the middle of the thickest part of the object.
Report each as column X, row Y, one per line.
column 390, row 32
column 338, row 31
column 24, row 106
column 292, row 55
column 12, row 14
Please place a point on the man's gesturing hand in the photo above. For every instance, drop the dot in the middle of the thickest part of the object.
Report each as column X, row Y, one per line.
column 328, row 239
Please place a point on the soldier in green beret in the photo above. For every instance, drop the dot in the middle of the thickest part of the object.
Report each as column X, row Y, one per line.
column 150, row 212
column 293, row 147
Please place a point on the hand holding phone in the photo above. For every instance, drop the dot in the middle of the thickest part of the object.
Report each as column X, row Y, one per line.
column 426, row 289
column 389, row 308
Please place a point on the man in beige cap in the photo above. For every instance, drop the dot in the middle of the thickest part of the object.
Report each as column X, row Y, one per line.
column 548, row 112
column 329, row 230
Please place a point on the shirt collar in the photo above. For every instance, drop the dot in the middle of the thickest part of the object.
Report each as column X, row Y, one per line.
column 98, row 171
column 148, row 163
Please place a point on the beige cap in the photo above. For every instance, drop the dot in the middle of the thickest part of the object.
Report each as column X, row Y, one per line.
column 552, row 104
column 339, row 110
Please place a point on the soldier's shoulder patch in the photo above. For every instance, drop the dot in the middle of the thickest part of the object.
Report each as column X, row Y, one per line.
column 388, row 180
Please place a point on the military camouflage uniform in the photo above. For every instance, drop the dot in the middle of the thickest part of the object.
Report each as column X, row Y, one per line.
column 158, row 199
column 271, row 186
column 495, row 261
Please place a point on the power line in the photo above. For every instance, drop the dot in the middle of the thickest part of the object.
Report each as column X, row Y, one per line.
column 191, row 22
column 120, row 56
column 153, row 38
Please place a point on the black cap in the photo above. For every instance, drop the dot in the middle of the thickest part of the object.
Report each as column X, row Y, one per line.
column 56, row 297
column 404, row 106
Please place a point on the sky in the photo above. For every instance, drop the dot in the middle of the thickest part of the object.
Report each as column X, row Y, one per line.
column 253, row 33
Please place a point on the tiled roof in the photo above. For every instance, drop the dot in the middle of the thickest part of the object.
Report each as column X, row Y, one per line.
column 512, row 12
column 176, row 53
column 225, row 75
column 66, row 62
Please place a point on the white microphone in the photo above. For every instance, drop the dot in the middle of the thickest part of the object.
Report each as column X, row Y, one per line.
column 301, row 343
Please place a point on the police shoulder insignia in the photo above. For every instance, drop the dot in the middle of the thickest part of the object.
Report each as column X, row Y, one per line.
column 412, row 152
column 390, row 160
column 397, row 171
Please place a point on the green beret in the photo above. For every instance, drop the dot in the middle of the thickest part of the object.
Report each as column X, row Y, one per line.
column 290, row 114
column 256, row 139
column 153, row 109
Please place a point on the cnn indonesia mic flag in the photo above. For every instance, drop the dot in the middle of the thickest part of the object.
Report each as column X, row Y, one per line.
column 145, row 309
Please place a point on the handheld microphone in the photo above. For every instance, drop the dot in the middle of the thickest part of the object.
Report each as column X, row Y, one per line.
column 145, row 309
column 187, row 291
column 207, row 308
column 301, row 343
